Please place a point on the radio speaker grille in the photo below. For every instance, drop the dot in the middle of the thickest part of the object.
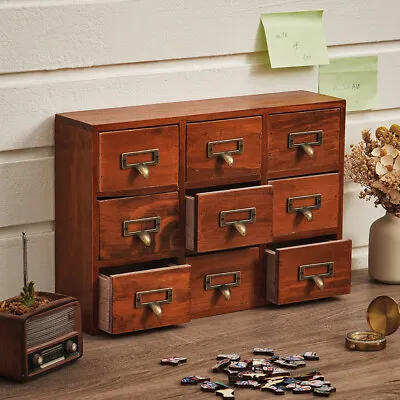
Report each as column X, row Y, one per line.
column 50, row 326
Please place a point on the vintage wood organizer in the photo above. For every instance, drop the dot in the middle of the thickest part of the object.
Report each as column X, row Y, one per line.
column 176, row 211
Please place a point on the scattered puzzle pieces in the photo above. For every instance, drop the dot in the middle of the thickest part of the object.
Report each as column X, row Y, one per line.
column 263, row 351
column 232, row 357
column 247, row 384
column 193, row 380
column 174, row 361
column 302, row 389
column 310, row 355
column 226, row 393
column 220, row 365
column 239, row 365
column 209, row 386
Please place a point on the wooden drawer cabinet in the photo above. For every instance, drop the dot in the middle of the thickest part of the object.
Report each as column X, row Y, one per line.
column 226, row 281
column 308, row 272
column 138, row 158
column 305, row 206
column 224, row 149
column 304, row 142
column 148, row 298
column 138, row 225
column 229, row 218
column 176, row 211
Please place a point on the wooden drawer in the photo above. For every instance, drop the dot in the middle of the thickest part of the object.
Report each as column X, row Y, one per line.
column 296, row 200
column 226, row 282
column 290, row 271
column 214, row 219
column 318, row 131
column 129, row 301
column 126, row 224
column 126, row 156
column 213, row 146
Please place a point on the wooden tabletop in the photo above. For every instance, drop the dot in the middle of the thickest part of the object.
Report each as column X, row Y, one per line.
column 128, row 366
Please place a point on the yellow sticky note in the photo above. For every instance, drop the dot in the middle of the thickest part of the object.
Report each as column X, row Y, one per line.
column 295, row 39
column 354, row 79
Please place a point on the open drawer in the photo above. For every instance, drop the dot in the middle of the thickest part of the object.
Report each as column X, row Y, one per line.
column 307, row 272
column 227, row 219
column 155, row 294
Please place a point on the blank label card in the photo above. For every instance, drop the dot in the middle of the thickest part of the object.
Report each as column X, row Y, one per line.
column 354, row 79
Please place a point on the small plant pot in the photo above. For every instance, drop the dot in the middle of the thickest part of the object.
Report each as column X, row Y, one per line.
column 42, row 339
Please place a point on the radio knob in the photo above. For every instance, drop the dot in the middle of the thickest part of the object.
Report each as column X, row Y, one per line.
column 37, row 359
column 71, row 346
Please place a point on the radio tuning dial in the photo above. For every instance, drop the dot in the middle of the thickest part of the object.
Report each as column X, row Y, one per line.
column 71, row 346
column 37, row 359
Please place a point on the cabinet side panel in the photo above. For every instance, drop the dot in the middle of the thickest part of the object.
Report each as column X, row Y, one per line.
column 74, row 234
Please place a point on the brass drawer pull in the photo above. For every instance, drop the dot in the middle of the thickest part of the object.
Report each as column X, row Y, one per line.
column 239, row 225
column 317, row 278
column 142, row 167
column 225, row 287
column 305, row 210
column 154, row 306
column 144, row 235
column 225, row 155
column 306, row 146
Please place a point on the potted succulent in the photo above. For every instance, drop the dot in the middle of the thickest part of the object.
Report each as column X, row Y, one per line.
column 28, row 300
column 375, row 164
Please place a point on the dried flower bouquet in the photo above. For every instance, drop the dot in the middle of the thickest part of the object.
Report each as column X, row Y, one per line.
column 375, row 164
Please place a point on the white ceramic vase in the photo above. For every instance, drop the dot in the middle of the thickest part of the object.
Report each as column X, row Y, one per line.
column 384, row 249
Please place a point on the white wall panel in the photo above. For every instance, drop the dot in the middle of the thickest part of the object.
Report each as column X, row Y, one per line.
column 52, row 36
column 29, row 101
column 61, row 92
column 40, row 264
column 27, row 192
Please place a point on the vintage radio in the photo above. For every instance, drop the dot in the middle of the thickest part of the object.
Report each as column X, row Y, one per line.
column 37, row 342
column 40, row 340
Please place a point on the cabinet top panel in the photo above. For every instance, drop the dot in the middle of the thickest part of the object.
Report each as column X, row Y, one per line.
column 200, row 109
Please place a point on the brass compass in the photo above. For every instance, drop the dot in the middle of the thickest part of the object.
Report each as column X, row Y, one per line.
column 383, row 316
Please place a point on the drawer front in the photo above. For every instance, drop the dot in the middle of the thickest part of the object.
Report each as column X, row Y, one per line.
column 224, row 149
column 309, row 272
column 303, row 142
column 144, row 299
column 305, row 205
column 229, row 218
column 138, row 225
column 226, row 282
column 138, row 158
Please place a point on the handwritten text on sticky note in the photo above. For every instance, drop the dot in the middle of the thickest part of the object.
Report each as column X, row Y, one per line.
column 295, row 39
column 354, row 79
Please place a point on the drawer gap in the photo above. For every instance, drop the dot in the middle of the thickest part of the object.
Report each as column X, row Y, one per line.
column 147, row 266
column 300, row 242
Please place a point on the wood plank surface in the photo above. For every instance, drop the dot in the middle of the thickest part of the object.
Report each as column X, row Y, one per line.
column 128, row 366
column 300, row 100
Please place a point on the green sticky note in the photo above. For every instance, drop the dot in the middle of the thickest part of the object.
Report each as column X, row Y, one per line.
column 295, row 39
column 354, row 79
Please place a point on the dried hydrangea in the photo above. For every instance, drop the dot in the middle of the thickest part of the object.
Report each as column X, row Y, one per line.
column 375, row 164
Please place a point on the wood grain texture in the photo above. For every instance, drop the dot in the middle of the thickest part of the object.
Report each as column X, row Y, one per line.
column 125, row 317
column 213, row 170
column 287, row 261
column 113, row 213
column 107, row 372
column 74, row 197
column 211, row 236
column 250, row 292
column 289, row 224
column 223, row 107
column 112, row 178
column 285, row 161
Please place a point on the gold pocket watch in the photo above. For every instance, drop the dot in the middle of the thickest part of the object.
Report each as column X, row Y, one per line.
column 383, row 316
